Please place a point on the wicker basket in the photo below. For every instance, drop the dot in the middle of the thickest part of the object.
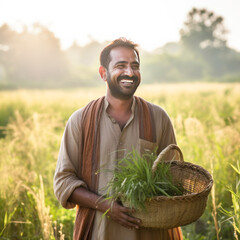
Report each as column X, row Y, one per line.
column 169, row 212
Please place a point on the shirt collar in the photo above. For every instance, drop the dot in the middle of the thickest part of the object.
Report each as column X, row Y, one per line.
column 106, row 104
column 133, row 109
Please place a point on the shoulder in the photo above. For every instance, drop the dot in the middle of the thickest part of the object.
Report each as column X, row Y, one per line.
column 159, row 114
column 161, row 117
column 158, row 111
column 76, row 116
column 73, row 126
column 79, row 114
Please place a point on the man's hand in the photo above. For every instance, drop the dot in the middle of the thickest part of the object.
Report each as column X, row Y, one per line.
column 116, row 211
column 122, row 214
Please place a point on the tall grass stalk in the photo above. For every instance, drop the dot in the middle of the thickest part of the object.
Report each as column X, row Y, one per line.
column 234, row 213
column 43, row 211
column 214, row 210
column 7, row 220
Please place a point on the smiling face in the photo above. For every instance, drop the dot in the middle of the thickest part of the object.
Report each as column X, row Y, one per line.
column 123, row 73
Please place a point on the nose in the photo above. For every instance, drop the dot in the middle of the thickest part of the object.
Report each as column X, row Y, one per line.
column 129, row 71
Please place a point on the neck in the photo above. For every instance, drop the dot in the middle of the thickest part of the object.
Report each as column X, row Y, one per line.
column 119, row 104
column 119, row 109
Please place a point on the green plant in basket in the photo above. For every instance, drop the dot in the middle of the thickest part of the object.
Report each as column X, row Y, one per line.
column 134, row 182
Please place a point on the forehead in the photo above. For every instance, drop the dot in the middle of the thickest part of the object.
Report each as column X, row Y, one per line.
column 123, row 54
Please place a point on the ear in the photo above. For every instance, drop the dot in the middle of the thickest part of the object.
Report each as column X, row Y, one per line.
column 103, row 73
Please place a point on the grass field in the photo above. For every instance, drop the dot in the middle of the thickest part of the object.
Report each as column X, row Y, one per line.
column 206, row 119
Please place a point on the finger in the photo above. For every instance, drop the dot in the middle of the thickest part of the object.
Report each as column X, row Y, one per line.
column 128, row 210
column 129, row 223
column 132, row 219
column 123, row 216
column 128, row 213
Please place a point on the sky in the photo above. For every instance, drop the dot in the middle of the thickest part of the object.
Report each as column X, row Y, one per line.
column 150, row 23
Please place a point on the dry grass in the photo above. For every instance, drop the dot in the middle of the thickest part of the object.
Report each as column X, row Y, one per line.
column 206, row 118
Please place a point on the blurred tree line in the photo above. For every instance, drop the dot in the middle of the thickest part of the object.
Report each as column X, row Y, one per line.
column 33, row 58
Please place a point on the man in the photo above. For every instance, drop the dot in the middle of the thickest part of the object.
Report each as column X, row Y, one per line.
column 99, row 134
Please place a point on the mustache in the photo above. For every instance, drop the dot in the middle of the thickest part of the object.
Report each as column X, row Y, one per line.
column 134, row 77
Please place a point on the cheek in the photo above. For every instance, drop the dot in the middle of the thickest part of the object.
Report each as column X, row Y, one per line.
column 115, row 74
column 138, row 74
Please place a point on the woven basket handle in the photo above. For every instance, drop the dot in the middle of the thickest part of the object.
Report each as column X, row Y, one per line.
column 163, row 153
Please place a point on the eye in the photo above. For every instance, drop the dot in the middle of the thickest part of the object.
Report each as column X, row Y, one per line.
column 135, row 67
column 120, row 66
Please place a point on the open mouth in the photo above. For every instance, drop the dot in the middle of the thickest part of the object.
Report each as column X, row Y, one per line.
column 126, row 82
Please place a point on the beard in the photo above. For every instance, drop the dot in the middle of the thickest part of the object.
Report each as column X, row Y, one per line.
column 119, row 92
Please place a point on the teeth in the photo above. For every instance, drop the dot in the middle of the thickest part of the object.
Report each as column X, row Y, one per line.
column 127, row 81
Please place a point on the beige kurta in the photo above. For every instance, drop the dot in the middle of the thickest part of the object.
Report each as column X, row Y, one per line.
column 114, row 144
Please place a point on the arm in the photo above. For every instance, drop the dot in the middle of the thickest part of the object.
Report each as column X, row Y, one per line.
column 66, row 177
column 117, row 212
column 70, row 190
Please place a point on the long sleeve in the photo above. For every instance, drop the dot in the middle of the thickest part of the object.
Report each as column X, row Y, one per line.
column 66, row 178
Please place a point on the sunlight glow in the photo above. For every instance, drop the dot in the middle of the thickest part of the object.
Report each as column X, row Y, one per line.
column 150, row 23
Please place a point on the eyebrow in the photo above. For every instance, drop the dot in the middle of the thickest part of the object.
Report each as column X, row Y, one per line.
column 135, row 62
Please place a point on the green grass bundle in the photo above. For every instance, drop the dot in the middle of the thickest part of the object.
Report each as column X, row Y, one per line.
column 133, row 181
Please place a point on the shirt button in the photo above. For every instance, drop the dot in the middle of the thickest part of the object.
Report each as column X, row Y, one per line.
column 113, row 120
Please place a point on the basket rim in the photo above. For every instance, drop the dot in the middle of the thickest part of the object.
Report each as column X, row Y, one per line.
column 189, row 196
